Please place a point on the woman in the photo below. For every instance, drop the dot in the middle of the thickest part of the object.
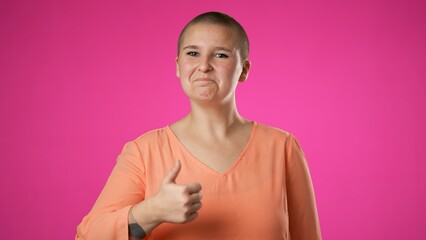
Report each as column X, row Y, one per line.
column 212, row 174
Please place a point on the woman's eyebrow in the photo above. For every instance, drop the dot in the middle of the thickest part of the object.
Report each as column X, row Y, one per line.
column 223, row 49
column 190, row 47
column 216, row 48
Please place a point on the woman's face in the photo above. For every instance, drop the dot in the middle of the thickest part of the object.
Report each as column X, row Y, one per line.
column 209, row 63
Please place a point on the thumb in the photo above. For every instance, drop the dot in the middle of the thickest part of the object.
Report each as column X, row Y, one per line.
column 173, row 173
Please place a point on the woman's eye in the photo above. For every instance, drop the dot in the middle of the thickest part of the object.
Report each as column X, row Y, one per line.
column 221, row 55
column 193, row 54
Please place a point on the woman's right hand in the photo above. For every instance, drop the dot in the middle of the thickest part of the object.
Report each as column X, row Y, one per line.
column 174, row 203
column 177, row 203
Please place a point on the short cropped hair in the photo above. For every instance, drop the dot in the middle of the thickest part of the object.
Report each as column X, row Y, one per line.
column 223, row 20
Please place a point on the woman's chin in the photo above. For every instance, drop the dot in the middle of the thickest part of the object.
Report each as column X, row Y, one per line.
column 203, row 99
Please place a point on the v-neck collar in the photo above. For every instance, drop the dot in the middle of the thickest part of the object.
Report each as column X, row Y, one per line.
column 208, row 169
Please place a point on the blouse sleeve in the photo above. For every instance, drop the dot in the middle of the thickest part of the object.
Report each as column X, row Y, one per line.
column 303, row 217
column 125, row 187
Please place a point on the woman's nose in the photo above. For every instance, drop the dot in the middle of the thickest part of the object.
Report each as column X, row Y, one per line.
column 205, row 64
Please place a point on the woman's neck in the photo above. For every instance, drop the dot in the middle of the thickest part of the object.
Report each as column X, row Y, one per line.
column 215, row 120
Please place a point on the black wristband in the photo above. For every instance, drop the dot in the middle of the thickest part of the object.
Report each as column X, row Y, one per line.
column 136, row 231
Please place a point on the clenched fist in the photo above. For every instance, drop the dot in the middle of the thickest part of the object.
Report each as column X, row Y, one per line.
column 177, row 203
column 174, row 203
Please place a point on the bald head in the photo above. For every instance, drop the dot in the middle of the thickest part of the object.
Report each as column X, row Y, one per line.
column 222, row 20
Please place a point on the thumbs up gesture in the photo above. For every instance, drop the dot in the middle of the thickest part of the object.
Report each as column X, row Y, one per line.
column 177, row 203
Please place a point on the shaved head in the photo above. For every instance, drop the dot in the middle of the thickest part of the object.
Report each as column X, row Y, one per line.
column 222, row 20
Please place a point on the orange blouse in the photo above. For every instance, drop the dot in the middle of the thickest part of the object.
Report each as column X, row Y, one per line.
column 266, row 194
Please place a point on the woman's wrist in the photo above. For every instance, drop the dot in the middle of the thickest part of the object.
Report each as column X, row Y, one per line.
column 143, row 216
column 135, row 230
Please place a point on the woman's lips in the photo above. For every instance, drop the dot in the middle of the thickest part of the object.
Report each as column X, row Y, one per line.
column 203, row 80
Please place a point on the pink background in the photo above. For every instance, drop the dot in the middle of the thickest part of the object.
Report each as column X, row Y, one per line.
column 81, row 78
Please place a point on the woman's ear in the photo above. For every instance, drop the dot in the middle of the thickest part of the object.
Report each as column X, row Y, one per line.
column 177, row 67
column 245, row 72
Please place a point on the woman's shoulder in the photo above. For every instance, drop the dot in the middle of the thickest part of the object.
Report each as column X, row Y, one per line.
column 152, row 136
column 264, row 130
column 275, row 136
